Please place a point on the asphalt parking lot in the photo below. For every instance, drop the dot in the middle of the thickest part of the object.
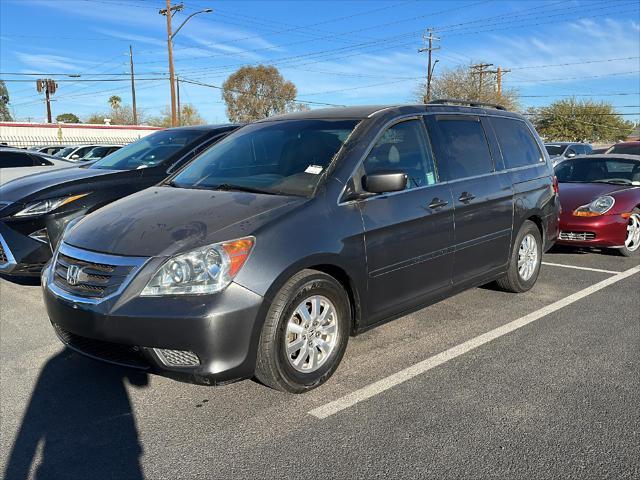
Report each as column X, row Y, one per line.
column 484, row 385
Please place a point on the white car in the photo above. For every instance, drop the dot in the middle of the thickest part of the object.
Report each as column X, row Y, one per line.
column 16, row 163
column 76, row 153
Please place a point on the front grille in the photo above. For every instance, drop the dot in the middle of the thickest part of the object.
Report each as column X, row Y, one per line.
column 95, row 280
column 129, row 356
column 177, row 358
column 3, row 256
column 577, row 236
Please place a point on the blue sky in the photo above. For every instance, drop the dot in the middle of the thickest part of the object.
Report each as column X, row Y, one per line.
column 339, row 52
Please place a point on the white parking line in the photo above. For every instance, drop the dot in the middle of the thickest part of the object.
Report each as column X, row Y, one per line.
column 580, row 268
column 408, row 373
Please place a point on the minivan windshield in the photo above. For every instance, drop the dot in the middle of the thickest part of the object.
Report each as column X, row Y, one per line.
column 617, row 171
column 150, row 151
column 280, row 157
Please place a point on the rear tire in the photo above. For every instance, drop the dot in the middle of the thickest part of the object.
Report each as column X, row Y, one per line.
column 524, row 264
column 305, row 334
column 632, row 242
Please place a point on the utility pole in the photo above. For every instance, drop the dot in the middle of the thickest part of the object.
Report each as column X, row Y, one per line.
column 429, row 48
column 179, row 109
column 499, row 72
column 49, row 87
column 169, row 12
column 480, row 69
column 133, row 87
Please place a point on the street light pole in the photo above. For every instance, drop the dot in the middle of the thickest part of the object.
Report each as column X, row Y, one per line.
column 169, row 12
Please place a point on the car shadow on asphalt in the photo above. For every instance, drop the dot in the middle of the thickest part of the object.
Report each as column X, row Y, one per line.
column 79, row 423
column 28, row 281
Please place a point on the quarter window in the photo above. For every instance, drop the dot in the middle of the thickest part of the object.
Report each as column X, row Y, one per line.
column 459, row 145
column 15, row 159
column 518, row 146
column 403, row 147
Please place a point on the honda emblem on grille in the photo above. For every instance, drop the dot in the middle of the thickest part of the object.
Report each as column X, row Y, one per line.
column 73, row 273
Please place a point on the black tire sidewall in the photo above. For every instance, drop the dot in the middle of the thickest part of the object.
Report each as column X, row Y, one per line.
column 329, row 288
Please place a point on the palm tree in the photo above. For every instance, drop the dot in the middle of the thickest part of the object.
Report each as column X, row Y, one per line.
column 115, row 101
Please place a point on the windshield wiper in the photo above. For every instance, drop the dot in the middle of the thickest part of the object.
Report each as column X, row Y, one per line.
column 242, row 188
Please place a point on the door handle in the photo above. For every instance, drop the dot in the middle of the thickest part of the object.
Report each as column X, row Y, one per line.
column 466, row 197
column 437, row 203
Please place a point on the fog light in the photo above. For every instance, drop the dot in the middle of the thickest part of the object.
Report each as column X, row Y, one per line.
column 41, row 236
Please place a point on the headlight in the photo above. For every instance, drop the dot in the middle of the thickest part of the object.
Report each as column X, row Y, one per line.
column 599, row 206
column 205, row 270
column 45, row 206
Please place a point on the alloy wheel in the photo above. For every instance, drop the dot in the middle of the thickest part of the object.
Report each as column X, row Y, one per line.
column 311, row 334
column 527, row 257
column 632, row 243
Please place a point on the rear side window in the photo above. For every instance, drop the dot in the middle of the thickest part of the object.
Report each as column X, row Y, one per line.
column 459, row 145
column 41, row 161
column 15, row 159
column 517, row 144
column 403, row 147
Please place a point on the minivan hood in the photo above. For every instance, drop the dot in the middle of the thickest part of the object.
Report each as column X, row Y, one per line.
column 22, row 189
column 162, row 221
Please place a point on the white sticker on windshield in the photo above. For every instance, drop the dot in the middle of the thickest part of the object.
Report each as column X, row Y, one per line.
column 315, row 169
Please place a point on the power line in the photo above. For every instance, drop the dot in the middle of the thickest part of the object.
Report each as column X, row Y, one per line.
column 244, row 92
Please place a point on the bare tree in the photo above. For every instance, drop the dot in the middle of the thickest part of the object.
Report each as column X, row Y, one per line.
column 461, row 83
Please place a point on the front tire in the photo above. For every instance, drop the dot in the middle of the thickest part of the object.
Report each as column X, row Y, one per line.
column 305, row 334
column 526, row 257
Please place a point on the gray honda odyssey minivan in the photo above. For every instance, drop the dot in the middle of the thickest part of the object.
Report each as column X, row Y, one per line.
column 262, row 256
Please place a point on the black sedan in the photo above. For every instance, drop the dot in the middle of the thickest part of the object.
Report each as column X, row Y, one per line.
column 35, row 210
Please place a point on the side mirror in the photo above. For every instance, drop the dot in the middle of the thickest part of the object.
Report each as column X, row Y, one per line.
column 570, row 154
column 385, row 181
column 75, row 157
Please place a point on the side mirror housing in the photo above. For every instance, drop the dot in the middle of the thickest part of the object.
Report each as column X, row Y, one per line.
column 571, row 154
column 75, row 157
column 385, row 181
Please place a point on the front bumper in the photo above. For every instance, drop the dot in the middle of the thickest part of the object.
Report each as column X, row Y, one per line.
column 20, row 254
column 205, row 339
column 602, row 231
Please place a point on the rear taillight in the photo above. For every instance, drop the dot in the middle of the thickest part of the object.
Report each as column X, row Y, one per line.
column 555, row 184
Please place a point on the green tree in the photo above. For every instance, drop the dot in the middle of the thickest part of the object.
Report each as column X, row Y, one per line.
column 461, row 83
column 5, row 114
column 580, row 120
column 67, row 118
column 252, row 93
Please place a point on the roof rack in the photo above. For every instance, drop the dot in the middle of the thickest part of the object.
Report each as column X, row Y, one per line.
column 470, row 103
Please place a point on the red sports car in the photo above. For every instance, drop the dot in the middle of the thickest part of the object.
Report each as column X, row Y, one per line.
column 600, row 198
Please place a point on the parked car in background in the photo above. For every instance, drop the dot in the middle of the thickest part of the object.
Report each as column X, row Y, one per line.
column 16, row 163
column 100, row 152
column 35, row 210
column 600, row 197
column 266, row 252
column 629, row 148
column 75, row 152
column 599, row 151
column 48, row 149
column 562, row 150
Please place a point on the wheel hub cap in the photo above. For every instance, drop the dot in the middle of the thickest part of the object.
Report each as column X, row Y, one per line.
column 633, row 233
column 527, row 257
column 311, row 334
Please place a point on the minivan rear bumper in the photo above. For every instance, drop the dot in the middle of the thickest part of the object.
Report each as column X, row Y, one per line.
column 205, row 339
